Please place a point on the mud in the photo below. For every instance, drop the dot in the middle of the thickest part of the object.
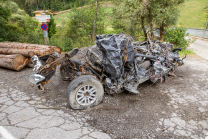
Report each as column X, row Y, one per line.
column 161, row 110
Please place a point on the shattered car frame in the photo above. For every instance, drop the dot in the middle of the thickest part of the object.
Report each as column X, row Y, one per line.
column 114, row 64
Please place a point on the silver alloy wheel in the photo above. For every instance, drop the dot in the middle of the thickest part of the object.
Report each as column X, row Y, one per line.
column 86, row 95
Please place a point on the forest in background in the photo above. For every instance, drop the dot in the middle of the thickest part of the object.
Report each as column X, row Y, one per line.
column 55, row 5
column 81, row 25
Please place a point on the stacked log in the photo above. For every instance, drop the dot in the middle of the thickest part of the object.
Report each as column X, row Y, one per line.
column 25, row 50
column 14, row 62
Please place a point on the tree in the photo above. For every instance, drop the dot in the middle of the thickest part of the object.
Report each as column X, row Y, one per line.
column 16, row 25
column 5, row 14
column 8, row 32
column 134, row 15
column 149, row 14
column 80, row 27
column 51, row 27
column 31, row 2
column 95, row 19
column 167, row 14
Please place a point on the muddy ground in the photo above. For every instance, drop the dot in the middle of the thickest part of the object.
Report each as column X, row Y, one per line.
column 161, row 110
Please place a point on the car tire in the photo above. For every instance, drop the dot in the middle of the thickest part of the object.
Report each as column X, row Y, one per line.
column 84, row 92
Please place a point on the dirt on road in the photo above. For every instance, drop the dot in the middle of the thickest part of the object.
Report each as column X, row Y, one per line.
column 176, row 108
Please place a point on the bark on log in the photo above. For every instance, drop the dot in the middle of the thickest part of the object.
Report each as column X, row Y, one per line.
column 14, row 62
column 26, row 46
column 15, row 45
column 9, row 51
column 25, row 52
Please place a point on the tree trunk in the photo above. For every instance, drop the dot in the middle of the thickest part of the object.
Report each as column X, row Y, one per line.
column 15, row 45
column 79, row 3
column 151, row 25
column 30, row 47
column 95, row 20
column 162, row 31
column 24, row 52
column 13, row 62
column 143, row 28
column 37, row 4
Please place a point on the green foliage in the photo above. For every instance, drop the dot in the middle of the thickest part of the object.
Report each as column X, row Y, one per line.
column 61, row 40
column 177, row 37
column 7, row 31
column 16, row 25
column 51, row 27
column 133, row 16
column 206, row 9
column 110, row 31
column 31, row 31
column 55, row 5
column 167, row 12
column 185, row 52
column 80, row 27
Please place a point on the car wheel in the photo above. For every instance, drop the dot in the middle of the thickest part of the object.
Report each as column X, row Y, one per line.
column 84, row 92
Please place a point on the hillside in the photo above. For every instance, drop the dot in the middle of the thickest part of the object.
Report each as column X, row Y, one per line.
column 60, row 19
column 192, row 14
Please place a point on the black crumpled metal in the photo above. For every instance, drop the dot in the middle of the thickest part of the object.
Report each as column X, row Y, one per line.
column 113, row 47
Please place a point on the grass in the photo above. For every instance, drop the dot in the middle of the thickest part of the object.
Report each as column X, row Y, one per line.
column 185, row 52
column 192, row 14
column 62, row 18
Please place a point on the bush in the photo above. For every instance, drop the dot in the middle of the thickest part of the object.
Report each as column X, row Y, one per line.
column 63, row 42
column 177, row 37
column 80, row 27
column 51, row 27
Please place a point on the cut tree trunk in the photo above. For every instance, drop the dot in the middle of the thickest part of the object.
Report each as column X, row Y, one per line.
column 33, row 47
column 15, row 45
column 25, row 52
column 14, row 62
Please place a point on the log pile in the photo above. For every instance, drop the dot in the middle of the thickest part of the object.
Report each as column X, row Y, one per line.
column 16, row 55
column 14, row 62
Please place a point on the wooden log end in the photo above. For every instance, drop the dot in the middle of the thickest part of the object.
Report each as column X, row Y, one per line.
column 31, row 53
column 19, row 62
column 57, row 49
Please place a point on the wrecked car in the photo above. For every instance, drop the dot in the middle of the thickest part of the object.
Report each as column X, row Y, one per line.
column 113, row 65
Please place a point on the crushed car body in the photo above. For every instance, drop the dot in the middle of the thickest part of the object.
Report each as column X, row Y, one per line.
column 113, row 65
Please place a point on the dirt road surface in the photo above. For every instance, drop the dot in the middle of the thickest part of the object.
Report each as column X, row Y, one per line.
column 177, row 108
